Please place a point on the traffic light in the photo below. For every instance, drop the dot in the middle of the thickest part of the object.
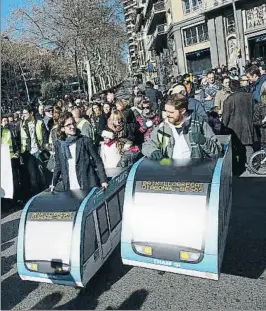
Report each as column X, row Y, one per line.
column 239, row 53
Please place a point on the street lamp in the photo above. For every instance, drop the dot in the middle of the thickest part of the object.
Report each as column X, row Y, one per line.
column 22, row 72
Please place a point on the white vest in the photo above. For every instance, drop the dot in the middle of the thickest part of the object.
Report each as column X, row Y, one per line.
column 110, row 155
column 72, row 174
column 181, row 148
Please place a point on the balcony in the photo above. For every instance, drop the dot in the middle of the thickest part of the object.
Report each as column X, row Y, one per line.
column 132, row 43
column 128, row 18
column 147, row 7
column 160, row 31
column 139, row 22
column 156, row 16
column 128, row 4
column 210, row 5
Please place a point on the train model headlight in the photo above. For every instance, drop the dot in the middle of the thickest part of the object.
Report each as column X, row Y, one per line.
column 145, row 250
column 189, row 256
column 48, row 267
column 32, row 266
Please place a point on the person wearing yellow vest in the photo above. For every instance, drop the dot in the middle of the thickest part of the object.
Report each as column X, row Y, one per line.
column 8, row 138
column 81, row 123
column 34, row 139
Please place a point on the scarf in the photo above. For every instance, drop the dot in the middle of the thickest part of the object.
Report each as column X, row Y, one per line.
column 133, row 149
column 65, row 146
column 110, row 143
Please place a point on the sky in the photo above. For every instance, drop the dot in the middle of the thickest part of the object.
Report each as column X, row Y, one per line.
column 7, row 6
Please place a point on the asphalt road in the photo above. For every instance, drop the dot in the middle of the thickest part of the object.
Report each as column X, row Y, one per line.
column 242, row 284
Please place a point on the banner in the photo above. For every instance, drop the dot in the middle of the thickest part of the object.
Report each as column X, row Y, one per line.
column 7, row 188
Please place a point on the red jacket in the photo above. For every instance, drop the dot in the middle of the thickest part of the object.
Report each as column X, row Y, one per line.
column 147, row 130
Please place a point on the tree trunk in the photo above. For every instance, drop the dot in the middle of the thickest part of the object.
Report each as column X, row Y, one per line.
column 109, row 81
column 25, row 82
column 103, row 86
column 94, row 86
column 88, row 68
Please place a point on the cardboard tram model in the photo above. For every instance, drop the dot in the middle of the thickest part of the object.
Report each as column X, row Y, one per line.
column 175, row 218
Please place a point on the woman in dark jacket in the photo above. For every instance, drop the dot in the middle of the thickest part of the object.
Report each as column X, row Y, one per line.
column 128, row 114
column 73, row 154
column 103, row 121
column 95, row 121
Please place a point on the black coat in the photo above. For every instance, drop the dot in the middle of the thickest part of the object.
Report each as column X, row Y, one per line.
column 131, row 122
column 85, row 171
column 259, row 115
column 238, row 116
column 102, row 126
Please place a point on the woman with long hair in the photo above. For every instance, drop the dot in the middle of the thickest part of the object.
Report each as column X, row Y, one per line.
column 117, row 124
column 148, row 119
column 73, row 153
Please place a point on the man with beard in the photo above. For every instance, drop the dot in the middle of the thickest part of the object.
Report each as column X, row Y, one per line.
column 181, row 135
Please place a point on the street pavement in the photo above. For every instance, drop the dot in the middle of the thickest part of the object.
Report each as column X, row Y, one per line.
column 242, row 284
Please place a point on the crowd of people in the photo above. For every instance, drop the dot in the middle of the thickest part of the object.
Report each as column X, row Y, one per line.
column 72, row 142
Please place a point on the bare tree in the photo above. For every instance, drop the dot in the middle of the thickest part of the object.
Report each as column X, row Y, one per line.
column 89, row 31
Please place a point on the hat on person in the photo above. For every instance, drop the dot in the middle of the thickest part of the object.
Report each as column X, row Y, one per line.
column 48, row 108
column 108, row 134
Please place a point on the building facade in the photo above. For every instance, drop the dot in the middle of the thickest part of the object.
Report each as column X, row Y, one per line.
column 204, row 33
column 130, row 13
column 180, row 36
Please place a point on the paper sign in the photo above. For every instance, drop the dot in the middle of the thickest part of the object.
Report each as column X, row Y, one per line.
column 7, row 188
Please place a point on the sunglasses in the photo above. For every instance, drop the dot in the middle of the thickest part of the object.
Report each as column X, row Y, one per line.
column 68, row 125
column 146, row 107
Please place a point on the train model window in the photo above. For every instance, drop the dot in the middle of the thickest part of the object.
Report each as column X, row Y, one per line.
column 114, row 211
column 121, row 195
column 103, row 223
column 90, row 244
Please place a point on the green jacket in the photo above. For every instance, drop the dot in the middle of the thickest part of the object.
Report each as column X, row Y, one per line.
column 162, row 139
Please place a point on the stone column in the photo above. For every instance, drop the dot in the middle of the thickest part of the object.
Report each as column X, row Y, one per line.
column 241, row 35
column 213, row 43
column 180, row 51
column 220, row 38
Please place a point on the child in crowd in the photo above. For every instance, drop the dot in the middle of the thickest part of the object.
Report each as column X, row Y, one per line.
column 109, row 151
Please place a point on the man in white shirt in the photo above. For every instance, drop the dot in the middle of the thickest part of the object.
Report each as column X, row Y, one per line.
column 181, row 135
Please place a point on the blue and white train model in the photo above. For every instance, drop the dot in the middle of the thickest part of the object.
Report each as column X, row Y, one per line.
column 175, row 218
column 65, row 237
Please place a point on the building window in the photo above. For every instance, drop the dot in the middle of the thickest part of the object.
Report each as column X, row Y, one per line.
column 196, row 34
column 190, row 6
column 230, row 24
